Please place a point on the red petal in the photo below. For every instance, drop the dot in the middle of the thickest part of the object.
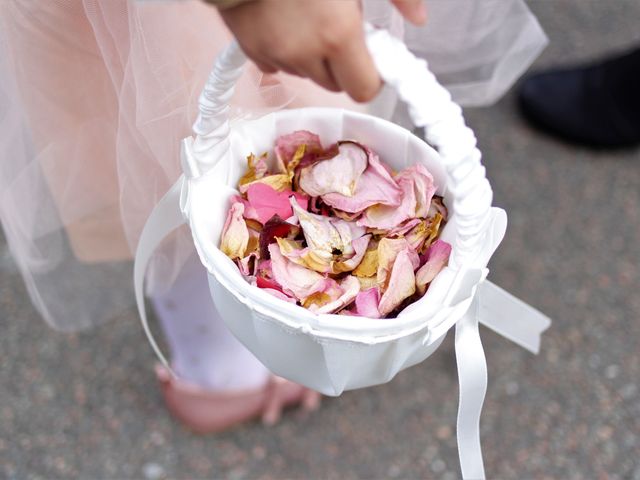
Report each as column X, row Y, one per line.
column 262, row 282
column 275, row 227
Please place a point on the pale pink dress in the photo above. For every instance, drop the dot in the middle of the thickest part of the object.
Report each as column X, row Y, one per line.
column 95, row 97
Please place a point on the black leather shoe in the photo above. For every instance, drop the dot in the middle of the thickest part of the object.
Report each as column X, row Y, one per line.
column 596, row 105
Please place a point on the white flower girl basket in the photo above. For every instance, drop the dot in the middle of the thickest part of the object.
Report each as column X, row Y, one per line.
column 332, row 353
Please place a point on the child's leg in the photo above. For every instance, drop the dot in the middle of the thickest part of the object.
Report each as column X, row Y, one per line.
column 203, row 350
column 220, row 382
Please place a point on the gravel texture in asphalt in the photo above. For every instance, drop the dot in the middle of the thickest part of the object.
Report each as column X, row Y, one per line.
column 86, row 405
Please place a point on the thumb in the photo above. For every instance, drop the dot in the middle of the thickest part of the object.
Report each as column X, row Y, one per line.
column 413, row 10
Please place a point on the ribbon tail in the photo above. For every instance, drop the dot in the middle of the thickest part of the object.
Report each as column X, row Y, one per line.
column 511, row 317
column 472, row 377
column 165, row 218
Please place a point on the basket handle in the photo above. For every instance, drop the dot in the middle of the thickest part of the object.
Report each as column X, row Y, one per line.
column 430, row 107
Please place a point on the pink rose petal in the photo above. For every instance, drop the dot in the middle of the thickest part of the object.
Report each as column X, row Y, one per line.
column 385, row 217
column 367, row 303
column 417, row 190
column 374, row 186
column 286, row 146
column 403, row 229
column 339, row 174
column 280, row 295
column 402, row 283
column 437, row 257
column 264, row 202
column 424, row 188
column 417, row 235
column 295, row 280
column 350, row 287
column 388, row 250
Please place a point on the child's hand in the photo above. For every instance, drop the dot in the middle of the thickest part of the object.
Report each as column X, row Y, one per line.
column 319, row 39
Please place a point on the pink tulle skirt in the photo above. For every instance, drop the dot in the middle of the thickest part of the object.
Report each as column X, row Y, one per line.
column 95, row 97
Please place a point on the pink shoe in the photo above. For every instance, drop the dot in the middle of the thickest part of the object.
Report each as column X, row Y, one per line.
column 206, row 412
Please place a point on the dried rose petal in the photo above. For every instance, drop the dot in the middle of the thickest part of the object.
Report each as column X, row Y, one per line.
column 295, row 279
column 367, row 282
column 275, row 227
column 248, row 265
column 280, row 295
column 235, row 235
column 388, row 250
column 374, row 186
column 437, row 258
column 364, row 233
column 386, row 217
column 350, row 288
column 264, row 269
column 265, row 283
column 287, row 145
column 424, row 233
column 316, row 301
column 360, row 249
column 403, row 229
column 309, row 157
column 368, row 266
column 323, row 261
column 402, row 283
column 264, row 202
column 437, row 206
column 348, row 217
column 367, row 303
column 339, row 174
column 280, row 182
column 256, row 169
column 272, row 288
column 424, row 188
column 417, row 189
column 327, row 235
column 317, row 261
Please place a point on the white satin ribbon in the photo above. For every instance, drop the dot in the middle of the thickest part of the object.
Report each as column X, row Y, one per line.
column 164, row 219
column 492, row 306
column 511, row 317
column 472, row 379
